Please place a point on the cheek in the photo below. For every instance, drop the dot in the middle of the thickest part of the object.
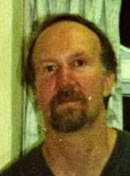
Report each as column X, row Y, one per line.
column 92, row 88
column 45, row 90
column 91, row 85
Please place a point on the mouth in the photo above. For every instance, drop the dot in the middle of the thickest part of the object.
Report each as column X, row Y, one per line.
column 69, row 101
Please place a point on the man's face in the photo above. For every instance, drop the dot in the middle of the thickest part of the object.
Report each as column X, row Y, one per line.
column 70, row 79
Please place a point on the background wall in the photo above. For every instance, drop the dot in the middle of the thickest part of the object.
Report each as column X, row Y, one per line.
column 11, row 39
column 5, row 75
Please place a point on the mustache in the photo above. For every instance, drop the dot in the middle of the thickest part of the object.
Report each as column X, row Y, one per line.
column 68, row 93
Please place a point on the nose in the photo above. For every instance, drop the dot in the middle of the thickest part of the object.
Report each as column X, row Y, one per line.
column 65, row 78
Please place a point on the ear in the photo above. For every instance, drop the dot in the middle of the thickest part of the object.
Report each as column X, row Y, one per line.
column 108, row 83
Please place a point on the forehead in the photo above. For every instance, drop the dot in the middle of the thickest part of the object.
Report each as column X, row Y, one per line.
column 67, row 35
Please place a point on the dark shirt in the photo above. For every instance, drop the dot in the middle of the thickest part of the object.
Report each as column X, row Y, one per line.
column 34, row 164
column 119, row 162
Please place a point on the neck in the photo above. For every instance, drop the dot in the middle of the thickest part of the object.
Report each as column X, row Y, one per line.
column 77, row 151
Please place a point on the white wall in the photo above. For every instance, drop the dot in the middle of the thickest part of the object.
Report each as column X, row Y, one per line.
column 10, row 74
column 5, row 80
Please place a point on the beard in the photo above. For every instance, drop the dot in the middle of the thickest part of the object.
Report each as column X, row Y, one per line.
column 69, row 117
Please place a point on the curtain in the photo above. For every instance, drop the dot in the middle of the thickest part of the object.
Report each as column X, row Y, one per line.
column 105, row 14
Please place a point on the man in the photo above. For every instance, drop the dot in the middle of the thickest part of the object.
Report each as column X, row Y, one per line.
column 72, row 68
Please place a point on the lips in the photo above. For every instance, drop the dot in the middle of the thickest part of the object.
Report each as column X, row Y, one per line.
column 69, row 100
column 68, row 96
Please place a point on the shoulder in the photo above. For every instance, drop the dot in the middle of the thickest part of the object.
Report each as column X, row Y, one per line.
column 124, row 141
column 124, row 138
column 31, row 164
column 119, row 161
column 122, row 153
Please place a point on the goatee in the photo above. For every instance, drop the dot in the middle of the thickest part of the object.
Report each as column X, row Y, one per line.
column 68, row 118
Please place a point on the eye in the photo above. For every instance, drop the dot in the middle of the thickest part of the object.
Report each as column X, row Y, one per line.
column 79, row 63
column 49, row 68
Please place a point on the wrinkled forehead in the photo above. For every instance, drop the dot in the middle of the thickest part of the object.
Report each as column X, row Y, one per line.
column 64, row 36
column 66, row 29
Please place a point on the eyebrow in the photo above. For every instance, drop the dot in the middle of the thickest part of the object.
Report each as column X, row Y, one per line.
column 79, row 54
column 73, row 55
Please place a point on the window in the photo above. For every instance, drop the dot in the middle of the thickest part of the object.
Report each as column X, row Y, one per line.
column 125, row 60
